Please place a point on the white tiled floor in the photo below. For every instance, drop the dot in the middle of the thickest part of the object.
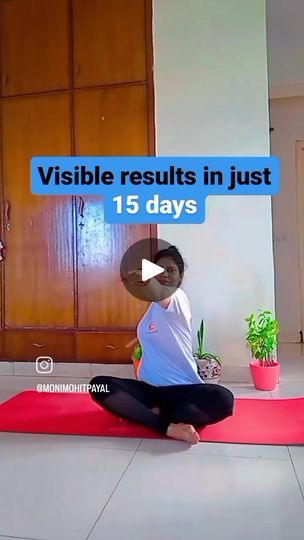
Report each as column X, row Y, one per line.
column 76, row 488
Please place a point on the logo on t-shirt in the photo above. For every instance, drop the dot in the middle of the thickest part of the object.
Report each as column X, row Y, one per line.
column 152, row 328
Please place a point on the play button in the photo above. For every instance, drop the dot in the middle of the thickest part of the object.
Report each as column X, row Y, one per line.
column 149, row 270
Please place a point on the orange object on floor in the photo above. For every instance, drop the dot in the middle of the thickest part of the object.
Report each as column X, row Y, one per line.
column 136, row 367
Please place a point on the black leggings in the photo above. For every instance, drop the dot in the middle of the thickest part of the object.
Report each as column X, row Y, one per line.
column 196, row 404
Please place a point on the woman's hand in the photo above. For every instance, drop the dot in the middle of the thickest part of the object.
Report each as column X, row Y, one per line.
column 131, row 343
column 135, row 277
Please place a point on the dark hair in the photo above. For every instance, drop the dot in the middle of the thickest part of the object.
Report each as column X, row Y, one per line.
column 174, row 254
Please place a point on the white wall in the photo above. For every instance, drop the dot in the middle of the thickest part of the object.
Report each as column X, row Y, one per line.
column 211, row 99
column 285, row 39
column 287, row 119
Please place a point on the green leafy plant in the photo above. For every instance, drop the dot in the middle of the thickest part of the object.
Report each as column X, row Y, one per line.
column 261, row 336
column 137, row 352
column 201, row 354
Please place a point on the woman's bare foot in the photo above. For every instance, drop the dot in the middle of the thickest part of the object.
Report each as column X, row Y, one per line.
column 183, row 432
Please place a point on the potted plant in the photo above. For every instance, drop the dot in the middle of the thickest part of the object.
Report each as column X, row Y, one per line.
column 136, row 357
column 261, row 338
column 208, row 365
column 136, row 354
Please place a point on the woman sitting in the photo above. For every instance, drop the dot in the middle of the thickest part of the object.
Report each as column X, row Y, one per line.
column 169, row 397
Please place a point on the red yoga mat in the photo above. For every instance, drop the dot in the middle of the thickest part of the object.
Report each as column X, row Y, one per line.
column 255, row 421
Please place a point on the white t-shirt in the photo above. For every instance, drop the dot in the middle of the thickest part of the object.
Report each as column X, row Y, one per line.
column 165, row 338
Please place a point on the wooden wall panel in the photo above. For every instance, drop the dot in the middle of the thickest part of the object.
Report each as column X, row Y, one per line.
column 105, row 347
column 109, row 41
column 34, row 46
column 39, row 288
column 110, row 121
column 75, row 78
column 28, row 345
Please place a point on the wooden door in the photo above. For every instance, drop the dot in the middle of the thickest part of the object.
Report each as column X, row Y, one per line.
column 75, row 79
column 288, row 307
column 34, row 46
column 300, row 224
column 38, row 291
column 109, row 121
column 109, row 42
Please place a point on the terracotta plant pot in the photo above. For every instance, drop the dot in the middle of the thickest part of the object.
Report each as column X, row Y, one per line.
column 265, row 377
column 136, row 367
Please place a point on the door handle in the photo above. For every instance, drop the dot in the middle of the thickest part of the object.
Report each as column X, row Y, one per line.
column 4, row 80
column 7, row 213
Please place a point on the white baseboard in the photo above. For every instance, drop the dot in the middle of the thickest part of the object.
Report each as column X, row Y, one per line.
column 66, row 369
column 236, row 374
column 230, row 374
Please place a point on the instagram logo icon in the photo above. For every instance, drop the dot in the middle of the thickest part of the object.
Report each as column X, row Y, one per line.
column 44, row 364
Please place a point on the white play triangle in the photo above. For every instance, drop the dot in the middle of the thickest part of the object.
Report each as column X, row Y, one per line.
column 149, row 269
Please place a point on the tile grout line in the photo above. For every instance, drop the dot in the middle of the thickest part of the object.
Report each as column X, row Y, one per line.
column 138, row 449
column 228, row 456
column 112, row 493
column 294, row 468
column 19, row 537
